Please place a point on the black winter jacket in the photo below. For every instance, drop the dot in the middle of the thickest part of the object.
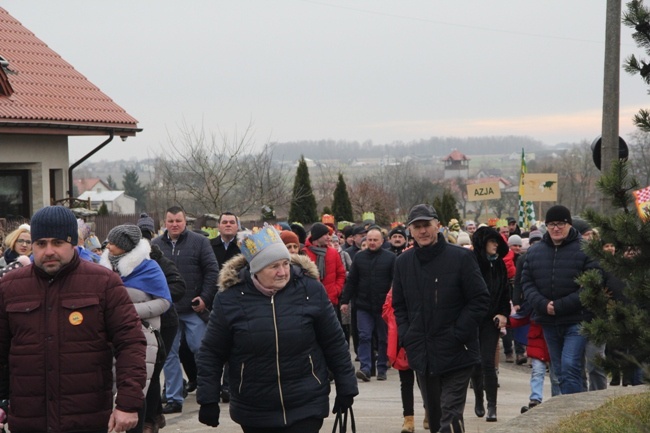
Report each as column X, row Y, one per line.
column 175, row 282
column 279, row 348
column 438, row 307
column 549, row 274
column 494, row 271
column 369, row 280
column 194, row 258
column 221, row 253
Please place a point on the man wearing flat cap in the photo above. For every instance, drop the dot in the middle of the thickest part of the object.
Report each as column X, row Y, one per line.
column 548, row 281
column 358, row 233
column 439, row 298
column 62, row 320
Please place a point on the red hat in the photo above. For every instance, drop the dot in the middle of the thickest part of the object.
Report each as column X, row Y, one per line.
column 289, row 237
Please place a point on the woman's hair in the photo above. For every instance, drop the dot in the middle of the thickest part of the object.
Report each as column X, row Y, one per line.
column 11, row 238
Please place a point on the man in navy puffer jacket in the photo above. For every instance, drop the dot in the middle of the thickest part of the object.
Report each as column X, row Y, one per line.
column 548, row 281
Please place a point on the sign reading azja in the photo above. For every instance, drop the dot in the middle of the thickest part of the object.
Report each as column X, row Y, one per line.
column 483, row 191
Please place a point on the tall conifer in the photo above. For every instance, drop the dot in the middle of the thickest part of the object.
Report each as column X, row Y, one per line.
column 341, row 205
column 303, row 202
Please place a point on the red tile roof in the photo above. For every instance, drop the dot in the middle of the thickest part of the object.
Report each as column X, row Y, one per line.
column 84, row 185
column 455, row 156
column 48, row 92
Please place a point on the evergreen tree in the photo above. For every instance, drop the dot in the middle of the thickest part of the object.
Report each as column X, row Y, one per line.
column 341, row 205
column 620, row 322
column 303, row 202
column 132, row 187
column 446, row 207
column 111, row 182
column 327, row 210
column 103, row 209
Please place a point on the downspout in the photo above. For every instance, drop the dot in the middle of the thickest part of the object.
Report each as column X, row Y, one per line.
column 76, row 164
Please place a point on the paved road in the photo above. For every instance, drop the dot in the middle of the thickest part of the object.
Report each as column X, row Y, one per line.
column 378, row 407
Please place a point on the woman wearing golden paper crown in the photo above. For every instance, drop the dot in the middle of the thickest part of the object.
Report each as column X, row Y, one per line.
column 274, row 324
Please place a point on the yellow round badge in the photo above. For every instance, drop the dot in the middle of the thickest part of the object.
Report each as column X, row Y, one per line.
column 76, row 318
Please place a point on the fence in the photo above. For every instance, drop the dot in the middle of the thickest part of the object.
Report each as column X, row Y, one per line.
column 102, row 224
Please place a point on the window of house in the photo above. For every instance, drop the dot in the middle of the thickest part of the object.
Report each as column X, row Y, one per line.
column 14, row 193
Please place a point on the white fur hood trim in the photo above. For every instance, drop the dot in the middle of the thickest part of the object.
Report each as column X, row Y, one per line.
column 131, row 260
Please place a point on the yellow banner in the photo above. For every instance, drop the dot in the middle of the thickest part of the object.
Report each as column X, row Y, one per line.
column 483, row 191
column 540, row 186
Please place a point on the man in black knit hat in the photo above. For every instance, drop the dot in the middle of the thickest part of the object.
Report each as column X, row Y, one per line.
column 548, row 282
column 62, row 321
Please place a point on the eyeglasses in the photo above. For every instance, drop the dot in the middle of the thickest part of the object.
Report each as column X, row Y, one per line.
column 23, row 241
column 558, row 225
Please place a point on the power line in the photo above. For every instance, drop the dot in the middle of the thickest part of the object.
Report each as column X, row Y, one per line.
column 465, row 26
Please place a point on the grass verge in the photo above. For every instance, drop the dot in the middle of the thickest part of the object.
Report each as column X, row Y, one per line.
column 626, row 414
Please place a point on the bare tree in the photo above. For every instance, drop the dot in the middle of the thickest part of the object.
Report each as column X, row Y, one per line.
column 577, row 176
column 639, row 158
column 215, row 173
column 409, row 185
column 369, row 195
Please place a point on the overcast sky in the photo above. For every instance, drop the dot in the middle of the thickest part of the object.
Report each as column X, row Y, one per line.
column 340, row 69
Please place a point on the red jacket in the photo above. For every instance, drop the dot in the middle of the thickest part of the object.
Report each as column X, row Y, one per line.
column 509, row 260
column 396, row 355
column 58, row 336
column 334, row 272
column 536, row 347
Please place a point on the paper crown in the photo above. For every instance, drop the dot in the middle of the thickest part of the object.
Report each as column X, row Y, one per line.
column 327, row 219
column 368, row 217
column 253, row 243
column 342, row 224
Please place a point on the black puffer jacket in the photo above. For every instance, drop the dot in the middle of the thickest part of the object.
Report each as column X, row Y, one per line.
column 549, row 275
column 279, row 348
column 195, row 260
column 493, row 271
column 175, row 282
column 438, row 306
column 369, row 280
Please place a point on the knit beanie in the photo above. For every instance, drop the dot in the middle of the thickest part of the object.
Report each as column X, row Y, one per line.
column 558, row 213
column 299, row 230
column 289, row 237
column 318, row 230
column 56, row 222
column 263, row 248
column 126, row 236
column 535, row 235
column 399, row 230
column 146, row 223
column 514, row 240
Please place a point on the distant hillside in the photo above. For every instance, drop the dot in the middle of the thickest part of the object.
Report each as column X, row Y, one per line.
column 434, row 146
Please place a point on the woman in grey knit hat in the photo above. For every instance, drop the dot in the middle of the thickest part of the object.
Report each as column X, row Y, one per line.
column 128, row 254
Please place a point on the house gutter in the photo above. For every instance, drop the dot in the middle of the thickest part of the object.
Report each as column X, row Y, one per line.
column 88, row 155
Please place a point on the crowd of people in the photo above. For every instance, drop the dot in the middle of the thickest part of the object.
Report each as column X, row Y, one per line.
column 266, row 320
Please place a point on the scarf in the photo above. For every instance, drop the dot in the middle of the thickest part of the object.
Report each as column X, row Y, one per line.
column 263, row 290
column 115, row 260
column 320, row 259
column 428, row 253
column 149, row 278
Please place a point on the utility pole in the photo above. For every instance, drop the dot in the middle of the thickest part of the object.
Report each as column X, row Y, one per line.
column 609, row 150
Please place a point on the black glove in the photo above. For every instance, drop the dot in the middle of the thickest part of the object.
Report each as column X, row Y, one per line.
column 342, row 403
column 209, row 414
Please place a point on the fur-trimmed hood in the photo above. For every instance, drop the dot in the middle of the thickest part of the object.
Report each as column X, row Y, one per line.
column 130, row 261
column 481, row 237
column 231, row 272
